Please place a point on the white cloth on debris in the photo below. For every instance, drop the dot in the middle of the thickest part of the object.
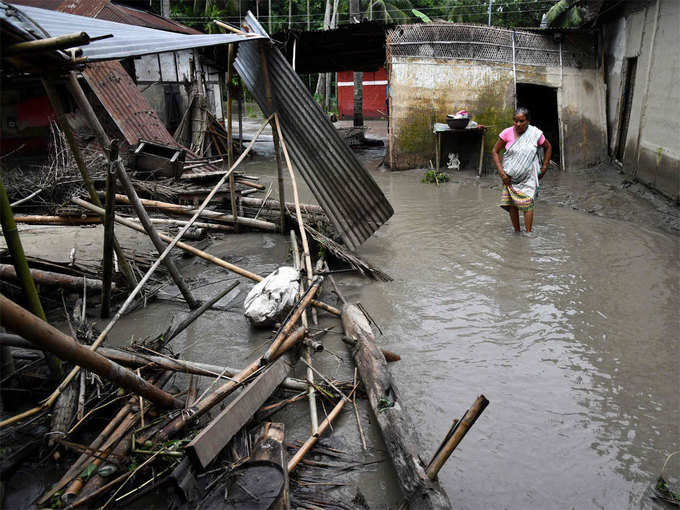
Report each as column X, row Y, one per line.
column 273, row 297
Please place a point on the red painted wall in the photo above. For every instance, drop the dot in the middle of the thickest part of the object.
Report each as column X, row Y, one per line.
column 375, row 92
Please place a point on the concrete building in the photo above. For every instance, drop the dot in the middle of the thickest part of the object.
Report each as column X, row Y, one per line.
column 437, row 69
column 642, row 63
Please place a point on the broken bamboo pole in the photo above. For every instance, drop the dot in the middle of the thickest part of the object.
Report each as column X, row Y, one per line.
column 189, row 211
column 204, row 405
column 304, row 449
column 107, row 268
column 398, row 431
column 455, row 436
column 153, row 234
column 65, row 126
column 200, row 253
column 41, row 277
column 60, row 42
column 197, row 313
column 290, row 322
column 21, row 269
column 51, row 339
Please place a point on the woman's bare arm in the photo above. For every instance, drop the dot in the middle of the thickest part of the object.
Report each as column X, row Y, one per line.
column 546, row 160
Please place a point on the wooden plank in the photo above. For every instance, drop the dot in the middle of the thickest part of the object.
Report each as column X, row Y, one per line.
column 208, row 444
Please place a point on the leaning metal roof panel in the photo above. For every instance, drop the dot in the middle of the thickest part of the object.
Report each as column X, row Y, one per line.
column 344, row 189
column 128, row 108
column 127, row 40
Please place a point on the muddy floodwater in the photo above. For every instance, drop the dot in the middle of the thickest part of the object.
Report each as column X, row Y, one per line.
column 571, row 332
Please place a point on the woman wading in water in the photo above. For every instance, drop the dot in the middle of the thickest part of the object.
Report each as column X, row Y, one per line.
column 521, row 170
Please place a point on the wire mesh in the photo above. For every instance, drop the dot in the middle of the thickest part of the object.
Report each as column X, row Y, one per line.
column 490, row 44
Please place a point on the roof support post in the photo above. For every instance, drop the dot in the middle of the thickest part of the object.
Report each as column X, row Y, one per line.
column 275, row 137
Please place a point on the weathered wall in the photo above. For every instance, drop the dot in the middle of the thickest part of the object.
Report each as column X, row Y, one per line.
column 424, row 90
column 155, row 72
column 652, row 144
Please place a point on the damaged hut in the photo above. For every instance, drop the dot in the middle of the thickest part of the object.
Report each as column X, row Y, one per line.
column 439, row 68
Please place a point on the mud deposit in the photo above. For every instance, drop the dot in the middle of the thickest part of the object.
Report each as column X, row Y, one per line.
column 571, row 332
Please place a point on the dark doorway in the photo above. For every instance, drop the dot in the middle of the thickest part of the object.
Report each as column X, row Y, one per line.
column 625, row 104
column 542, row 104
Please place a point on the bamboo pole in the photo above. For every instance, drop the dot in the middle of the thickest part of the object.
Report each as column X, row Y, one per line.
column 64, row 125
column 455, row 436
column 51, row 339
column 311, row 392
column 230, row 137
column 204, row 405
column 108, row 232
column 153, row 234
column 275, row 138
column 275, row 204
column 135, row 360
column 35, row 219
column 48, row 44
column 8, row 272
column 206, row 213
column 197, row 313
column 199, row 253
column 287, row 327
column 16, row 250
column 304, row 449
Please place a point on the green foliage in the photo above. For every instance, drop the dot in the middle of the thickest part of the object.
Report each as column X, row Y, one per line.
column 384, row 404
column 423, row 17
column 434, row 177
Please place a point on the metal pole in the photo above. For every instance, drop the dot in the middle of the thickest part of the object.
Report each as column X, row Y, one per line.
column 490, row 2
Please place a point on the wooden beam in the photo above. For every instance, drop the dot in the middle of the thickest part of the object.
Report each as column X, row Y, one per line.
column 208, row 444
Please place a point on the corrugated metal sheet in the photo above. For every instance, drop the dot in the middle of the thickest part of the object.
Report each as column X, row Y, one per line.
column 344, row 189
column 127, row 40
column 127, row 107
column 88, row 8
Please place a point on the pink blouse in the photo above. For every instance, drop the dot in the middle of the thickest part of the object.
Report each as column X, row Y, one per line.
column 508, row 136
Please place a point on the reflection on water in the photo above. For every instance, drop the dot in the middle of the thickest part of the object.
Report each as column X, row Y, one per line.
column 570, row 331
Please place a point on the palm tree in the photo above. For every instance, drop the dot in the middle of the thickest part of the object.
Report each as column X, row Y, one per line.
column 390, row 11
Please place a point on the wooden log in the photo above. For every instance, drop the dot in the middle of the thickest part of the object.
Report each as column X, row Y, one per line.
column 269, row 446
column 396, row 426
column 51, row 339
column 7, row 272
column 213, row 438
column 226, row 389
column 206, row 213
column 200, row 253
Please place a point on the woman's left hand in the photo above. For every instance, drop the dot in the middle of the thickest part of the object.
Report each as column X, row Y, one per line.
column 541, row 173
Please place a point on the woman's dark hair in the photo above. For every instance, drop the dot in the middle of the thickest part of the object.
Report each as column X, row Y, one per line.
column 522, row 111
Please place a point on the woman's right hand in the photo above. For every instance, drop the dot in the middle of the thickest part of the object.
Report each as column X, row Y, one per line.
column 505, row 178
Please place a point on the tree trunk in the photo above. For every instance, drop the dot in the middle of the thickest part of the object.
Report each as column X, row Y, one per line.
column 396, row 426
